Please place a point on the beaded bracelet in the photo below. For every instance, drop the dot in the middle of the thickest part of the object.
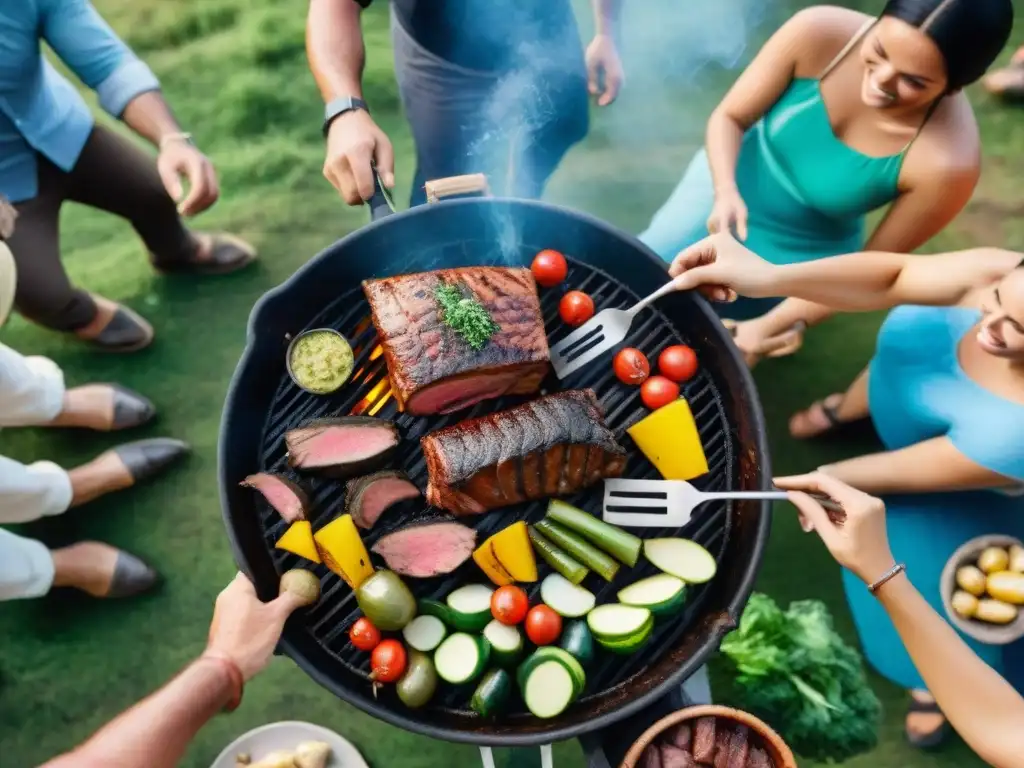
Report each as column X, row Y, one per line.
column 886, row 577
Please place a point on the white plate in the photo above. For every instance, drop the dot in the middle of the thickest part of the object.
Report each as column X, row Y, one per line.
column 260, row 742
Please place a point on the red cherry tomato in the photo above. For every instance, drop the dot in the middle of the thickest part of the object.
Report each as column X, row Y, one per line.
column 509, row 604
column 387, row 662
column 678, row 363
column 543, row 625
column 549, row 268
column 364, row 635
column 631, row 366
column 658, row 391
column 576, row 308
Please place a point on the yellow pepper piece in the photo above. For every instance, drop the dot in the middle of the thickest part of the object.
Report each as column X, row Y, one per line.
column 507, row 556
column 669, row 439
column 298, row 540
column 485, row 558
column 343, row 551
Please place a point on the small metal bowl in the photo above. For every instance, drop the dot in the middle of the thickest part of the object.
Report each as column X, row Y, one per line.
column 983, row 632
column 291, row 349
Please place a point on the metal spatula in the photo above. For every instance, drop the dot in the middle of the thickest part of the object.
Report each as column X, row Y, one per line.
column 599, row 335
column 672, row 502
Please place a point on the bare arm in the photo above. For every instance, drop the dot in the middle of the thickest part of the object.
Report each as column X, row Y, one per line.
column 334, row 47
column 156, row 731
column 149, row 115
column 606, row 16
column 931, row 466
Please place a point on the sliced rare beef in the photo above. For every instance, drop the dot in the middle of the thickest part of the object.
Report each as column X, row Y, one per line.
column 429, row 549
column 283, row 494
column 368, row 497
column 343, row 446
column 650, row 757
column 739, row 747
column 758, row 758
column 674, row 757
column 432, row 369
column 552, row 446
column 681, row 736
column 704, row 740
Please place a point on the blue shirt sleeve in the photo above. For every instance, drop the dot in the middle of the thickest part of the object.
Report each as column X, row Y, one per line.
column 993, row 438
column 91, row 49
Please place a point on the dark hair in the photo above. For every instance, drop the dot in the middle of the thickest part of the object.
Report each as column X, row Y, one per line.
column 969, row 33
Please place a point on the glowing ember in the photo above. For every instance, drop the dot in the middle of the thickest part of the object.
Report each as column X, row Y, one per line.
column 375, row 399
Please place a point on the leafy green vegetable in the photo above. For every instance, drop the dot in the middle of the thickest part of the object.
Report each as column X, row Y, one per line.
column 794, row 670
column 465, row 315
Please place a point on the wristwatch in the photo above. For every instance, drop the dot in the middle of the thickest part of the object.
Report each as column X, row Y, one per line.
column 337, row 107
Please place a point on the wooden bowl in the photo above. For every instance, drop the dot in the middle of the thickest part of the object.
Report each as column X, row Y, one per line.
column 990, row 634
column 776, row 748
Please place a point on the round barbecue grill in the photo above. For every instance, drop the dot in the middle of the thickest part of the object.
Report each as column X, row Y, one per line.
column 616, row 270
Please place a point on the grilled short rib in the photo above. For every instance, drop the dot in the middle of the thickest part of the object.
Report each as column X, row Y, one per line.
column 432, row 369
column 553, row 446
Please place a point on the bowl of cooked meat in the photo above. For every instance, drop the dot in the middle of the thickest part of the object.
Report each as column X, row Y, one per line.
column 709, row 736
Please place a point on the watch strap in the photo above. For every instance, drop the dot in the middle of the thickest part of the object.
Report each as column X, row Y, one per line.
column 335, row 108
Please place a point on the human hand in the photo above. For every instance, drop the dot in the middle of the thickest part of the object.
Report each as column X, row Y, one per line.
column 755, row 342
column 244, row 629
column 355, row 144
column 728, row 213
column 861, row 543
column 720, row 267
column 178, row 158
column 604, row 69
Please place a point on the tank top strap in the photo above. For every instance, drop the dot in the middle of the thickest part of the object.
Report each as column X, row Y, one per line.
column 847, row 48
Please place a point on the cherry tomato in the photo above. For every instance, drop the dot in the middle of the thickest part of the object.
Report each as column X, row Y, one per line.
column 364, row 635
column 509, row 604
column 678, row 363
column 543, row 625
column 549, row 268
column 658, row 391
column 631, row 366
column 576, row 308
column 387, row 662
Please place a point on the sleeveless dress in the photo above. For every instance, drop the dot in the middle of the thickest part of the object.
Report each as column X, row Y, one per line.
column 806, row 191
column 917, row 390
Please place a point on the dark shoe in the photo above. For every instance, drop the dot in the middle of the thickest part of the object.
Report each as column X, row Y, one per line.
column 130, row 409
column 227, row 254
column 126, row 332
column 932, row 738
column 131, row 577
column 145, row 459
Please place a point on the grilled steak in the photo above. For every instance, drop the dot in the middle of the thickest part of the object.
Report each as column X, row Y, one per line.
column 739, row 748
column 553, row 446
column 651, row 757
column 674, row 757
column 704, row 740
column 758, row 758
column 425, row 550
column 681, row 736
column 285, row 496
column 432, row 369
column 343, row 446
column 367, row 498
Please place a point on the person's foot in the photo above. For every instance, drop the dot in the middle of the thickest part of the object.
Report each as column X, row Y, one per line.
column 123, row 467
column 102, row 571
column 216, row 254
column 116, row 328
column 821, row 418
column 925, row 727
column 1008, row 82
column 104, row 408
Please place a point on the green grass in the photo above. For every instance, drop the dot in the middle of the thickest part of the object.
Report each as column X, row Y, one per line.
column 235, row 72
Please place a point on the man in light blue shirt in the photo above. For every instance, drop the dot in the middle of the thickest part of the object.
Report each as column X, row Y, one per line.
column 51, row 150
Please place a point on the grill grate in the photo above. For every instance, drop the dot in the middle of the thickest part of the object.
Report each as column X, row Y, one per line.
column 368, row 393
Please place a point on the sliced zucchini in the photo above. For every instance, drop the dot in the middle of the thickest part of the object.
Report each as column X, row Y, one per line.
column 661, row 594
column 548, row 690
column 566, row 598
column 435, row 608
column 470, row 607
column 492, row 694
column 616, row 621
column 461, row 658
column 681, row 558
column 551, row 653
column 424, row 633
column 506, row 643
column 577, row 641
column 631, row 643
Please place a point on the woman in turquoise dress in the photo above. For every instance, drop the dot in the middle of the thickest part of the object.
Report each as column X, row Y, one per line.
column 946, row 395
column 838, row 115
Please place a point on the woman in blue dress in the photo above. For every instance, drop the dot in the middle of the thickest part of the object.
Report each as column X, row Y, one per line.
column 945, row 390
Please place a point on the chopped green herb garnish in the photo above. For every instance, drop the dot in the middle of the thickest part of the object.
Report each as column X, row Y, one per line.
column 465, row 315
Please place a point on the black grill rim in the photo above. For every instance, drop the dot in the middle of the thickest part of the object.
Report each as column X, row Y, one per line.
column 656, row 682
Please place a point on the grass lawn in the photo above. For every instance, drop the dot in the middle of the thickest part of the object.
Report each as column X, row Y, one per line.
column 235, row 72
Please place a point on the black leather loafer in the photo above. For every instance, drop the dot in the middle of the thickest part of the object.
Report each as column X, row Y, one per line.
column 131, row 577
column 126, row 332
column 227, row 254
column 147, row 458
column 130, row 409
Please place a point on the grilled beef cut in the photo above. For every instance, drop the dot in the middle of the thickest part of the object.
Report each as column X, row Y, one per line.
column 343, row 446
column 553, row 446
column 367, row 498
column 284, row 495
column 432, row 369
column 430, row 549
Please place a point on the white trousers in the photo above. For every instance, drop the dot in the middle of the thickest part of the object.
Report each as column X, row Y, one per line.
column 31, row 393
